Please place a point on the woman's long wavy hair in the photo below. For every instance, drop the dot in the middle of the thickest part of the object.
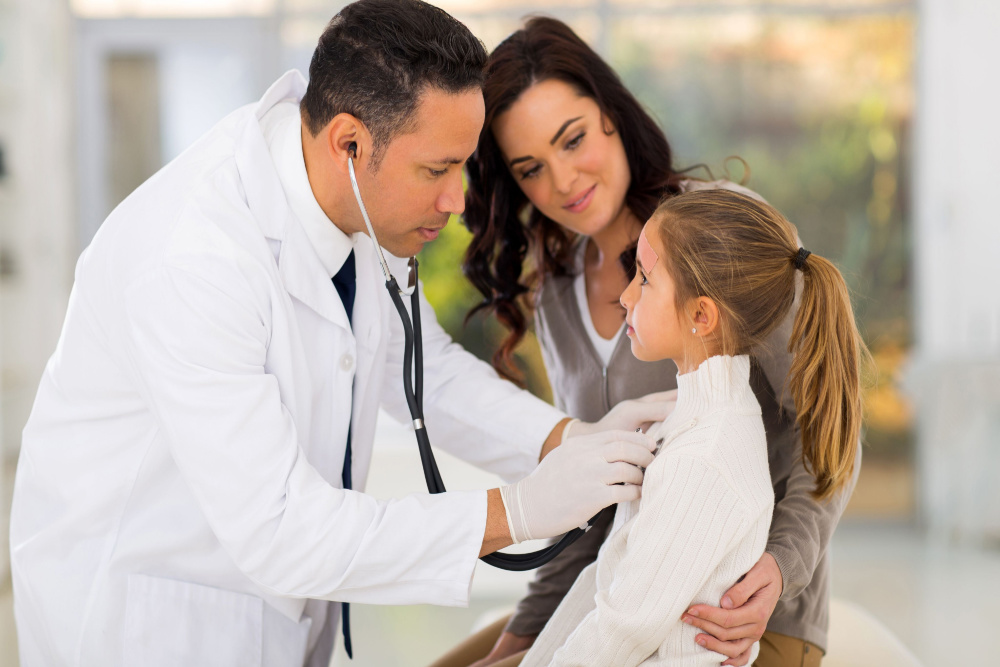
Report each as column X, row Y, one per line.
column 744, row 255
column 505, row 228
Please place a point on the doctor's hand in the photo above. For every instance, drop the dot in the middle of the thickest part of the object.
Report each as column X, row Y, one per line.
column 629, row 415
column 746, row 608
column 576, row 481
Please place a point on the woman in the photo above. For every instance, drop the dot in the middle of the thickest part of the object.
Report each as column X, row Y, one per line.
column 568, row 168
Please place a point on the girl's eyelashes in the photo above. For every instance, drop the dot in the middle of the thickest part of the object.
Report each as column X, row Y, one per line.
column 642, row 276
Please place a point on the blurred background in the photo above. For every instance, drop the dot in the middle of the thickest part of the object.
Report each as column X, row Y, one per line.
column 870, row 123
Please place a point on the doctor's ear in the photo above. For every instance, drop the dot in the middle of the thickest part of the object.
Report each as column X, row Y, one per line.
column 347, row 137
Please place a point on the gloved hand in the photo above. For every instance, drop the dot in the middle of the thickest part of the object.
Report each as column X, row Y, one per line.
column 575, row 482
column 628, row 415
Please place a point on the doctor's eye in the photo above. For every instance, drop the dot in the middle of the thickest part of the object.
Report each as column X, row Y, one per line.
column 437, row 173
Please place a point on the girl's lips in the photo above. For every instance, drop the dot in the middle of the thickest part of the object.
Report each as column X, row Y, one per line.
column 583, row 202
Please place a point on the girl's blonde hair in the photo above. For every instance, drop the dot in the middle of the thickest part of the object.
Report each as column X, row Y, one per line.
column 745, row 256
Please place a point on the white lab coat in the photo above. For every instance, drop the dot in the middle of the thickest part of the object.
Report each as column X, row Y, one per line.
column 178, row 494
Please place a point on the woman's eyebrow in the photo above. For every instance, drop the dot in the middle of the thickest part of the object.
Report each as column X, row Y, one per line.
column 562, row 129
column 555, row 138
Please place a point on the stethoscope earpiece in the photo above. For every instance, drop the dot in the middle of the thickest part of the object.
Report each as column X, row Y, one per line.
column 352, row 149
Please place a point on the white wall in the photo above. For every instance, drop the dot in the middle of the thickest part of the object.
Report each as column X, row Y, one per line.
column 37, row 222
column 956, row 372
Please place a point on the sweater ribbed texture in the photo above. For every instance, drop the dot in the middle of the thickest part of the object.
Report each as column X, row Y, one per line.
column 701, row 523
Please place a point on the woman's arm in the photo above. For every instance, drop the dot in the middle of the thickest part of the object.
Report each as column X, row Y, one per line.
column 689, row 519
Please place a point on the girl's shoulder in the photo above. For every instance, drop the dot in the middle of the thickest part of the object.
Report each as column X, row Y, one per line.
column 693, row 184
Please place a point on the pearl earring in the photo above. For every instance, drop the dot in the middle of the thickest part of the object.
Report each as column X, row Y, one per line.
column 694, row 330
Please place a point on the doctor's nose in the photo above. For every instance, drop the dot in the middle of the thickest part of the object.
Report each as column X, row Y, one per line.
column 452, row 199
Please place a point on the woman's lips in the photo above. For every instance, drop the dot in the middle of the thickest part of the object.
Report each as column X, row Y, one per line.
column 581, row 203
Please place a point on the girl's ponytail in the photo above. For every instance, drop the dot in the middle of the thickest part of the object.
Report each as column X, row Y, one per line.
column 825, row 377
column 745, row 256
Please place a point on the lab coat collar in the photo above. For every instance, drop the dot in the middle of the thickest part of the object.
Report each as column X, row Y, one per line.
column 283, row 135
column 302, row 273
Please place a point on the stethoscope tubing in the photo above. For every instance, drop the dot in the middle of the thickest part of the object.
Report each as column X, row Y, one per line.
column 413, row 388
column 413, row 376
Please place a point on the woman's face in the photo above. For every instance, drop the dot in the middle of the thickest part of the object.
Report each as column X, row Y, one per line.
column 567, row 158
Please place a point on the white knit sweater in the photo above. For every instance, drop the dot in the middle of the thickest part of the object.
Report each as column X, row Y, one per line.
column 701, row 523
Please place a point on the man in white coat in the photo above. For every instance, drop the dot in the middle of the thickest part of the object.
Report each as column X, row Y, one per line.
column 180, row 497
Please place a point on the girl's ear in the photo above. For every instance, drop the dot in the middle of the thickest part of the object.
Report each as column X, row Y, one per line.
column 704, row 315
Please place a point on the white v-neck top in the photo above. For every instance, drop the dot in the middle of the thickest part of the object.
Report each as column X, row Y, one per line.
column 603, row 346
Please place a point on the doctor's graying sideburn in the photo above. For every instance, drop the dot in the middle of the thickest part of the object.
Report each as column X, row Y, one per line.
column 410, row 104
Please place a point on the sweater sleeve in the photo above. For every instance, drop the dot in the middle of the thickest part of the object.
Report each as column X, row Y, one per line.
column 801, row 526
column 575, row 606
column 554, row 579
column 689, row 519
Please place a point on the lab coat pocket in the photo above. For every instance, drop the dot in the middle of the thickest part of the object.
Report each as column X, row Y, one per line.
column 170, row 623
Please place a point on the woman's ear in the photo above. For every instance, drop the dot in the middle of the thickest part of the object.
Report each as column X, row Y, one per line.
column 704, row 315
column 607, row 125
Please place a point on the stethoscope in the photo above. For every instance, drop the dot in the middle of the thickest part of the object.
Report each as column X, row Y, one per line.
column 413, row 387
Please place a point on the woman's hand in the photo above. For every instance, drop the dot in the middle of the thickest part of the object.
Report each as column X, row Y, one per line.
column 746, row 609
column 507, row 645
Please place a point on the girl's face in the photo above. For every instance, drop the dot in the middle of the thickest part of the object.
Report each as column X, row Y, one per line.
column 558, row 148
column 654, row 324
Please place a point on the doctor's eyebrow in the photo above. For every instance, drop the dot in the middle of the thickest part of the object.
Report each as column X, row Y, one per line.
column 448, row 160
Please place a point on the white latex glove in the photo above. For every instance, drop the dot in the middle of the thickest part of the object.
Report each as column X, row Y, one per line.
column 628, row 415
column 574, row 483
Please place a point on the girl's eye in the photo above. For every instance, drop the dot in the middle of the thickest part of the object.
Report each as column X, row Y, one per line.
column 642, row 278
column 575, row 141
column 531, row 173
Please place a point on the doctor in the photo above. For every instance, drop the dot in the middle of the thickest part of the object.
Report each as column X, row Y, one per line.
column 181, row 493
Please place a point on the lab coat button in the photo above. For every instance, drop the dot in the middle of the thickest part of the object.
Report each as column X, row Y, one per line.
column 347, row 363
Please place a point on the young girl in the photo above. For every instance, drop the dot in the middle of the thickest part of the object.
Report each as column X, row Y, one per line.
column 717, row 270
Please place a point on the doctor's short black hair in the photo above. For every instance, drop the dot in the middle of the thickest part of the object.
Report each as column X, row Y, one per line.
column 376, row 57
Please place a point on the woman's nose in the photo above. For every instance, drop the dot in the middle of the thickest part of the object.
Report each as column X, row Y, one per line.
column 563, row 176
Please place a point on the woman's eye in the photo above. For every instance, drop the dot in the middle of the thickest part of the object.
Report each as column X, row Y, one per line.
column 575, row 141
column 531, row 173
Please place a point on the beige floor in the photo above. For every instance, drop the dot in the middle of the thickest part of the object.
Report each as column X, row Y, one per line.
column 937, row 599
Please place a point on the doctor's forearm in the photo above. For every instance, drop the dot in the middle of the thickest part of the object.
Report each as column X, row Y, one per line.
column 497, row 534
column 555, row 437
